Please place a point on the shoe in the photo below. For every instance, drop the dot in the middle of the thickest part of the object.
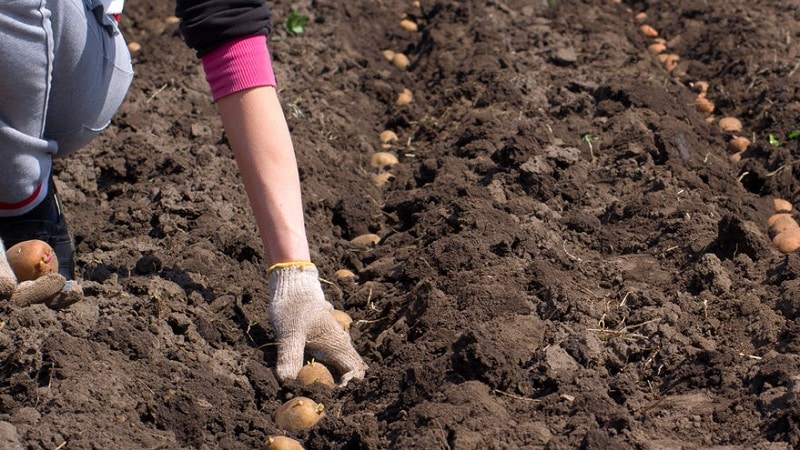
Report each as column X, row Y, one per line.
column 47, row 223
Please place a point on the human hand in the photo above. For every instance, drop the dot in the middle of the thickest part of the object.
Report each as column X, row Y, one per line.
column 51, row 289
column 303, row 319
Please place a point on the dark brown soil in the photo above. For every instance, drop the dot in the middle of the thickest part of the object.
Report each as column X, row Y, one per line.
column 533, row 287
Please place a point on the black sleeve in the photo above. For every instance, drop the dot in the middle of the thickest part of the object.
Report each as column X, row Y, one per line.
column 206, row 24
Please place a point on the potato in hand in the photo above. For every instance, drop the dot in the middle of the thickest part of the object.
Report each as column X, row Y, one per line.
column 31, row 259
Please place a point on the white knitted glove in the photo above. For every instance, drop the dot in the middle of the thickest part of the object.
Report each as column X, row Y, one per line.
column 303, row 319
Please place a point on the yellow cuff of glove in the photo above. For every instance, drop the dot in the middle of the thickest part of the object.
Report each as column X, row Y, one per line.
column 283, row 265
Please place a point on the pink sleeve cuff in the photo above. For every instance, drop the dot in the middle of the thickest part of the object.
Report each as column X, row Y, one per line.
column 239, row 65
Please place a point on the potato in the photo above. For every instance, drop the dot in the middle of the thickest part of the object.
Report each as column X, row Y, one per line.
column 382, row 179
column 671, row 61
column 738, row 144
column 388, row 54
column 774, row 218
column 366, row 240
column 788, row 241
column 388, row 136
column 172, row 20
column 383, row 159
column 343, row 319
column 343, row 274
column 408, row 25
column 405, row 97
column 782, row 205
column 784, row 223
column 299, row 413
column 657, row 47
column 401, row 61
column 648, row 31
column 282, row 443
column 704, row 105
column 314, row 372
column 31, row 259
column 134, row 47
column 731, row 124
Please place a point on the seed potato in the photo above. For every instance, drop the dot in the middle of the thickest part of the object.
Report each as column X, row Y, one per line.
column 705, row 105
column 388, row 136
column 784, row 223
column 282, row 443
column 401, row 61
column 730, row 124
column 366, row 240
column 31, row 259
column 788, row 241
column 405, row 97
column 648, row 31
column 343, row 274
column 738, row 144
column 382, row 179
column 383, row 159
column 408, row 25
column 782, row 205
column 299, row 413
column 343, row 319
column 315, row 372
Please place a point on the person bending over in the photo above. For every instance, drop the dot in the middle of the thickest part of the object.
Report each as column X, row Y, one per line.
column 66, row 70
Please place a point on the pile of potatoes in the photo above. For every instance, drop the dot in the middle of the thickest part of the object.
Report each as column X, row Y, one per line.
column 783, row 228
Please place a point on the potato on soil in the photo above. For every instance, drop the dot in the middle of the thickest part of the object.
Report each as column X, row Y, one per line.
column 388, row 54
column 408, row 25
column 31, row 259
column 731, row 124
column 282, row 443
column 299, row 413
column 774, row 218
column 705, row 105
column 738, row 144
column 383, row 159
column 401, row 61
column 657, row 47
column 783, row 223
column 788, row 241
column 343, row 319
column 405, row 97
column 315, row 372
column 670, row 61
column 648, row 31
column 343, row 274
column 366, row 240
column 782, row 205
column 387, row 137
column 382, row 179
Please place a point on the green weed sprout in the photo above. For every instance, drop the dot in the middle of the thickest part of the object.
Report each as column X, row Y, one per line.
column 296, row 23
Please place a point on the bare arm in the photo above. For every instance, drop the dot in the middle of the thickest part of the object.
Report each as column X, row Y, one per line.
column 261, row 143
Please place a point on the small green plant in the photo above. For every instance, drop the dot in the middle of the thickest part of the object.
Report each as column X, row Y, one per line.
column 589, row 138
column 795, row 134
column 773, row 140
column 296, row 23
